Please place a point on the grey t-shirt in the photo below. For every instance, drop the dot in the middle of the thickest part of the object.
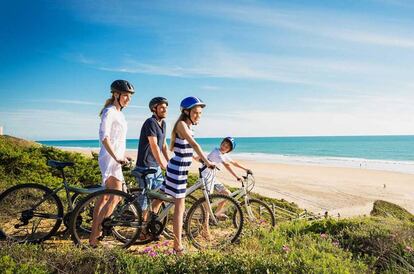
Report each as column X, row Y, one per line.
column 150, row 128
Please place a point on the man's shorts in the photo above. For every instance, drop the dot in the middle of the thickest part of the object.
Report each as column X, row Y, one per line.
column 155, row 180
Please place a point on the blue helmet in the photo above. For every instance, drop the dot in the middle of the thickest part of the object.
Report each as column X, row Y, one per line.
column 231, row 141
column 190, row 102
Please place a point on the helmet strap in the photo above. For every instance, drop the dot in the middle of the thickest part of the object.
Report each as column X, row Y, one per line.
column 188, row 116
column 119, row 102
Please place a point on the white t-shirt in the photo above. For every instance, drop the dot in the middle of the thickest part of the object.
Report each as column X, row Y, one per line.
column 218, row 159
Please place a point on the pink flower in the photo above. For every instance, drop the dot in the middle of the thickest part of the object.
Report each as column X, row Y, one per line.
column 409, row 249
column 166, row 243
column 169, row 252
column 335, row 243
column 152, row 254
column 147, row 249
column 286, row 248
column 324, row 236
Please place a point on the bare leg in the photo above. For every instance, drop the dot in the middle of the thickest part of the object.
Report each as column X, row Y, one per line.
column 179, row 207
column 205, row 232
column 219, row 210
column 103, row 208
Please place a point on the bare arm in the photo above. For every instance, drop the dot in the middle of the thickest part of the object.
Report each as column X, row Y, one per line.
column 155, row 150
column 107, row 144
column 165, row 151
column 185, row 133
column 228, row 167
column 236, row 164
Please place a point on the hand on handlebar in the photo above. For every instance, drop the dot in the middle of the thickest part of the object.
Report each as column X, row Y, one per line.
column 249, row 172
column 124, row 161
column 210, row 165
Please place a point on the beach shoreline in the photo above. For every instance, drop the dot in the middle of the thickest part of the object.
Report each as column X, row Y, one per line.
column 346, row 191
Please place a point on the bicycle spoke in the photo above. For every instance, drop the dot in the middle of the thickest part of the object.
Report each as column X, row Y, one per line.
column 208, row 231
column 29, row 213
column 120, row 219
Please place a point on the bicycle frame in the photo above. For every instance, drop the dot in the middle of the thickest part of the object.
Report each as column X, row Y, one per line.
column 68, row 189
column 155, row 194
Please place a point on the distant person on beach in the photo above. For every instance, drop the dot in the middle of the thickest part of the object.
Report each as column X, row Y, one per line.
column 183, row 145
column 152, row 150
column 220, row 156
column 112, row 135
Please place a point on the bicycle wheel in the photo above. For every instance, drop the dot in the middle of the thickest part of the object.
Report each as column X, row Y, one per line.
column 29, row 213
column 168, row 230
column 258, row 214
column 204, row 231
column 123, row 219
column 76, row 198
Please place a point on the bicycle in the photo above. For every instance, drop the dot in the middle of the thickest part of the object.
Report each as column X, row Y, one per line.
column 257, row 212
column 33, row 213
column 124, row 225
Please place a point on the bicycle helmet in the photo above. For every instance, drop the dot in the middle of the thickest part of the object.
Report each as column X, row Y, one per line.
column 122, row 86
column 190, row 102
column 231, row 141
column 156, row 101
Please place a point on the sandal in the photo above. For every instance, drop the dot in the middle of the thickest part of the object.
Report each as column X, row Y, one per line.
column 221, row 217
column 180, row 251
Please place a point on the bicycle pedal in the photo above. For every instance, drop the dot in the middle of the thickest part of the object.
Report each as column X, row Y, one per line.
column 2, row 235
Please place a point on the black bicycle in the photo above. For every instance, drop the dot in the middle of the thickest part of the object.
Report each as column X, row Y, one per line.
column 32, row 213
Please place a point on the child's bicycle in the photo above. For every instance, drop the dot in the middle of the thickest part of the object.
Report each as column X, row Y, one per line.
column 257, row 212
column 33, row 213
column 124, row 226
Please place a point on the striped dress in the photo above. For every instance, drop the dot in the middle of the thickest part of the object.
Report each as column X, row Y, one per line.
column 175, row 183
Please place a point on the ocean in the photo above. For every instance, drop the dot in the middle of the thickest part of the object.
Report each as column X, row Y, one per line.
column 393, row 153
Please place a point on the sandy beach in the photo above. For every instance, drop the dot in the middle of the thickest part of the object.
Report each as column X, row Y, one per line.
column 347, row 191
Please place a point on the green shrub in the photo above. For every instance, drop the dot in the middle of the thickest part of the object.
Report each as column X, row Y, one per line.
column 387, row 209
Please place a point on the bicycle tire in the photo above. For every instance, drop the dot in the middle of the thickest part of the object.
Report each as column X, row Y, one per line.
column 127, row 202
column 76, row 198
column 267, row 209
column 168, row 233
column 194, row 234
column 9, row 204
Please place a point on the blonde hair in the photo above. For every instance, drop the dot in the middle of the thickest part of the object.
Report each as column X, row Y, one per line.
column 182, row 117
column 108, row 102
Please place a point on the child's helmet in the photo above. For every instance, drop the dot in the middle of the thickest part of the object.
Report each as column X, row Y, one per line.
column 231, row 141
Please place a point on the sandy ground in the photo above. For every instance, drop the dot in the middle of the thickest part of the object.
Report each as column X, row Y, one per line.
column 347, row 191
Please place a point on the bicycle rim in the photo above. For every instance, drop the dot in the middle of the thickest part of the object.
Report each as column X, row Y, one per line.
column 204, row 231
column 258, row 214
column 122, row 221
column 168, row 230
column 22, row 221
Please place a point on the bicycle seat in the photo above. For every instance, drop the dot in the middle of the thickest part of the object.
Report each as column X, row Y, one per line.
column 59, row 165
column 143, row 173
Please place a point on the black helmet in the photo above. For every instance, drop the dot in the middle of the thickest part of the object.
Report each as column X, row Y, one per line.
column 122, row 86
column 156, row 101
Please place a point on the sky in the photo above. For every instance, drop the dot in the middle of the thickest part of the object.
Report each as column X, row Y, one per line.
column 264, row 68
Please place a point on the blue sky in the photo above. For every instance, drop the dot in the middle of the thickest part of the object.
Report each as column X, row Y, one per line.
column 264, row 68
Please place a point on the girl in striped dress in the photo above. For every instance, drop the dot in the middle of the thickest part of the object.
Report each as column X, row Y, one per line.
column 183, row 145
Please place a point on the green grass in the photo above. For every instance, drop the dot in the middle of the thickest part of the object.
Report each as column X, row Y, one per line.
column 383, row 243
column 387, row 209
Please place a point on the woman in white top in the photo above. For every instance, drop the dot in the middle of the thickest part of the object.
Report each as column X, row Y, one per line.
column 112, row 135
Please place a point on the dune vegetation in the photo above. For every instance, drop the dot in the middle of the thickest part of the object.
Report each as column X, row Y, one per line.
column 383, row 242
